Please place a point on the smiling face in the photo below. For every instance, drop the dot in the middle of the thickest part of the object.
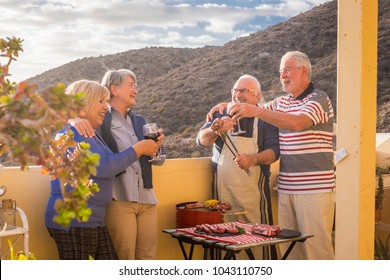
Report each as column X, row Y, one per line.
column 124, row 95
column 246, row 90
column 293, row 76
column 96, row 100
column 97, row 110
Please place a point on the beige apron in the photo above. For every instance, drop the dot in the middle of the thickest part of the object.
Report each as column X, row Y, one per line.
column 244, row 192
column 234, row 185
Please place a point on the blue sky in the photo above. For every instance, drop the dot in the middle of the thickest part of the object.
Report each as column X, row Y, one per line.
column 56, row 32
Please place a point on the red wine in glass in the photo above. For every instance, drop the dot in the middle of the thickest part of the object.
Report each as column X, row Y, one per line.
column 152, row 135
column 151, row 132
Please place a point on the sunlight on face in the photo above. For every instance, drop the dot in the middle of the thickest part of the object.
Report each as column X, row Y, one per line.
column 96, row 113
column 127, row 92
column 292, row 77
column 246, row 91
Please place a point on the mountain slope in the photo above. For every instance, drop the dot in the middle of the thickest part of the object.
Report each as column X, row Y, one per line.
column 177, row 87
column 148, row 64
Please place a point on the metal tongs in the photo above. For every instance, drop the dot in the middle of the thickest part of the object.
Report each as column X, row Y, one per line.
column 229, row 143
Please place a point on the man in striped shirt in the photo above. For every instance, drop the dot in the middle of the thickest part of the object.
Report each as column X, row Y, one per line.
column 306, row 183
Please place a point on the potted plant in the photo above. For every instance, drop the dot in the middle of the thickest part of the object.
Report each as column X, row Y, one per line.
column 379, row 195
column 382, row 250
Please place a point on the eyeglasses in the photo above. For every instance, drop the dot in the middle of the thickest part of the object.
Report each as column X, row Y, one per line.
column 241, row 90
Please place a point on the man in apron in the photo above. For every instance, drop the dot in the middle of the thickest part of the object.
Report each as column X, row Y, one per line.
column 243, row 180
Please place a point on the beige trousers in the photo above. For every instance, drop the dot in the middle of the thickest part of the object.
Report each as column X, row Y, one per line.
column 133, row 229
column 308, row 213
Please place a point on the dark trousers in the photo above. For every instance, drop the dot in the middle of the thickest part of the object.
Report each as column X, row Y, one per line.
column 84, row 243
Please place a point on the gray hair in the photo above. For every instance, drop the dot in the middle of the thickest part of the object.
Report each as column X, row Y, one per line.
column 301, row 60
column 116, row 77
column 250, row 77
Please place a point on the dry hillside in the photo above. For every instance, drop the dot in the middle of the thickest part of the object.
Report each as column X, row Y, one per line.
column 178, row 86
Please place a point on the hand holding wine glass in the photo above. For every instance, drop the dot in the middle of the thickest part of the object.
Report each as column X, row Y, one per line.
column 151, row 131
column 239, row 131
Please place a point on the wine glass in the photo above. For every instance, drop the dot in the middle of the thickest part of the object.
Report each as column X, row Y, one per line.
column 151, row 132
column 239, row 130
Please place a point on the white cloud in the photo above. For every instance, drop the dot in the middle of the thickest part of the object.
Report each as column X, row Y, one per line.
column 203, row 39
column 171, row 38
column 59, row 31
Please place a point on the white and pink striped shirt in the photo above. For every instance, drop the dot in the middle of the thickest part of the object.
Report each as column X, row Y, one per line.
column 306, row 157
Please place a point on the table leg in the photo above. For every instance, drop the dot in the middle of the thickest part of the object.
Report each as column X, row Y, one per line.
column 250, row 254
column 230, row 255
column 215, row 253
column 184, row 251
column 206, row 252
column 191, row 251
column 218, row 253
column 288, row 250
column 212, row 253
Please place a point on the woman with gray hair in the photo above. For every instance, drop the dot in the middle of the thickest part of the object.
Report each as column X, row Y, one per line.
column 132, row 216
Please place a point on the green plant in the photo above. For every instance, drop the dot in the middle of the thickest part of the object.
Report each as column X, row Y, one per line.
column 19, row 255
column 379, row 196
column 72, row 170
column 382, row 250
column 27, row 120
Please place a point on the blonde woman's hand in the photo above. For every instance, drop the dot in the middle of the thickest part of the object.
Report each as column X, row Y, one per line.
column 146, row 148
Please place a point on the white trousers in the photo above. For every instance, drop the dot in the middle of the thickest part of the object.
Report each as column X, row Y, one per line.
column 308, row 213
